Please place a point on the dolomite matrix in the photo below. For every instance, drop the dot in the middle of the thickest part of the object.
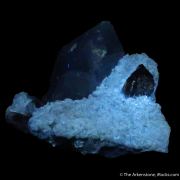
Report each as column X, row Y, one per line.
column 116, row 114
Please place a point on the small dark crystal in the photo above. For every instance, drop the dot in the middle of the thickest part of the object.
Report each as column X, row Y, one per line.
column 139, row 83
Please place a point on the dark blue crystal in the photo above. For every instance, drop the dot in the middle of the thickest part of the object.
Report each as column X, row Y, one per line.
column 84, row 63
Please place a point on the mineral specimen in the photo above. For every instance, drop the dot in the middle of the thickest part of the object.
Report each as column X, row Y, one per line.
column 120, row 116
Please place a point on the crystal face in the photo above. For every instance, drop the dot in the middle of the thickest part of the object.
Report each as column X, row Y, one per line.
column 84, row 63
column 112, row 110
column 140, row 83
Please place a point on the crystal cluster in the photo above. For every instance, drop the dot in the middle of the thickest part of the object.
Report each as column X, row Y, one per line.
column 99, row 99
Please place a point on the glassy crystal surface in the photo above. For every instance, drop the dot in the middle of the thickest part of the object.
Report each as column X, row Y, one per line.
column 139, row 83
column 82, row 64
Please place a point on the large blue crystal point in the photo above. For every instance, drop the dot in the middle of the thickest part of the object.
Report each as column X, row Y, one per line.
column 84, row 63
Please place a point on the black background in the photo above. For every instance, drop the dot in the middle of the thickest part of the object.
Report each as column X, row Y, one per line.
column 31, row 38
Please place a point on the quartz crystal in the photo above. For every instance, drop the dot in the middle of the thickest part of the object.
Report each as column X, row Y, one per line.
column 139, row 83
column 98, row 100
column 83, row 64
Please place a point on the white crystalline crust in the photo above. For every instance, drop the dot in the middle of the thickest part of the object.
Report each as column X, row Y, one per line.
column 126, row 66
column 22, row 104
column 107, row 114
